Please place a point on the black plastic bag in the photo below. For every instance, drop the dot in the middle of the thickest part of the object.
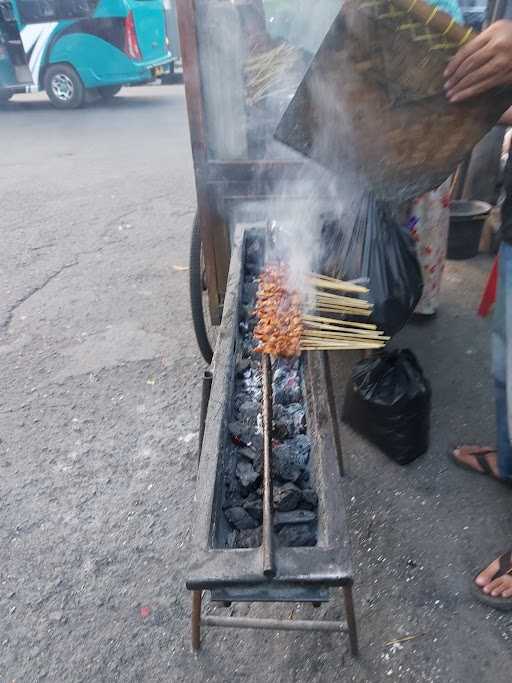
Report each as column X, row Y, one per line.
column 383, row 253
column 388, row 401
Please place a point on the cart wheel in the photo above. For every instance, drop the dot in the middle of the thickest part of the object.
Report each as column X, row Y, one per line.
column 205, row 332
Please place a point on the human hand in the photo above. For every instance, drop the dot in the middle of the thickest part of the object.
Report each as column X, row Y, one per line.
column 484, row 63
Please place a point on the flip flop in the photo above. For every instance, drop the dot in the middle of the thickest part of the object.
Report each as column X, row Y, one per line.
column 480, row 457
column 504, row 604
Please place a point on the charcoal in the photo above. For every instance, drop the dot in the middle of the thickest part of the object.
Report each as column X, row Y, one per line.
column 254, row 252
column 248, row 538
column 247, row 475
column 254, row 506
column 240, row 518
column 283, row 425
column 232, row 498
column 309, row 499
column 293, row 517
column 296, row 536
column 249, row 411
column 287, row 497
column 283, row 466
column 303, row 480
column 251, row 323
column 298, row 417
column 249, row 293
column 242, row 366
column 287, row 392
column 301, row 447
column 252, row 455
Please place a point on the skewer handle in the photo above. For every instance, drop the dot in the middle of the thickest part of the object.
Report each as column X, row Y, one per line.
column 267, row 535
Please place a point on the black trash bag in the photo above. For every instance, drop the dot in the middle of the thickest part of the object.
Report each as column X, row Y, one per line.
column 383, row 253
column 388, row 401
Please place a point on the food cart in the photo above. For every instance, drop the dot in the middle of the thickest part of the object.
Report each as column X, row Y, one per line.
column 233, row 111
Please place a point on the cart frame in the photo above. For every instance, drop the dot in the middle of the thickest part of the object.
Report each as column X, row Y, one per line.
column 218, row 184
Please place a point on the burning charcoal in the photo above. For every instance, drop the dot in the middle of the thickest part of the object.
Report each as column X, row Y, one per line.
column 247, row 475
column 254, row 506
column 287, row 497
column 293, row 517
column 248, row 538
column 240, row 433
column 240, row 518
column 283, row 465
column 309, row 499
column 301, row 447
column 296, row 536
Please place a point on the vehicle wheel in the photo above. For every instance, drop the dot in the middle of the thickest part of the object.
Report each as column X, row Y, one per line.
column 170, row 78
column 64, row 87
column 5, row 97
column 205, row 332
column 109, row 91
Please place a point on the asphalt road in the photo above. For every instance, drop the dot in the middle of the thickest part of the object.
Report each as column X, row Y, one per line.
column 98, row 428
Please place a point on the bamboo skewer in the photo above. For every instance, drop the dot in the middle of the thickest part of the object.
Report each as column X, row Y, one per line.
column 325, row 282
column 337, row 300
column 335, row 321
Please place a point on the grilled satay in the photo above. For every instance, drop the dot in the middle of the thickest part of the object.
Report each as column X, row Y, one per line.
column 278, row 309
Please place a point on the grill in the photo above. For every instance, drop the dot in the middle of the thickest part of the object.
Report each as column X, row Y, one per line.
column 268, row 570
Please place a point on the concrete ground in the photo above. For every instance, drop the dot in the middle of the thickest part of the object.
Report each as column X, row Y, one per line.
column 98, row 428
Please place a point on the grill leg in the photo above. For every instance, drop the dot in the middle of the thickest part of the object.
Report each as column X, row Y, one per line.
column 196, row 620
column 331, row 398
column 351, row 620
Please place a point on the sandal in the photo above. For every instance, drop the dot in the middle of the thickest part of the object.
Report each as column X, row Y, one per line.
column 504, row 604
column 481, row 458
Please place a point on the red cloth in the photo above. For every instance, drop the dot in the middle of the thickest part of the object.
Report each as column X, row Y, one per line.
column 489, row 295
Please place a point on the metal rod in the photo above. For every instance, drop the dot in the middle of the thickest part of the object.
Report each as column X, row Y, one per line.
column 196, row 619
column 331, row 400
column 267, row 540
column 275, row 624
column 351, row 620
column 205, row 399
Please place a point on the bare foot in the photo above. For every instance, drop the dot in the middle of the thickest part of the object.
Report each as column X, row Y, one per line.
column 499, row 587
column 467, row 455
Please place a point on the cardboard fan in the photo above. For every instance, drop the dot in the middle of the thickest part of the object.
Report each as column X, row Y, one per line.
column 372, row 102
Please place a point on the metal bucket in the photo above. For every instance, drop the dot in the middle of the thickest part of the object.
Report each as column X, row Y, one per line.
column 467, row 220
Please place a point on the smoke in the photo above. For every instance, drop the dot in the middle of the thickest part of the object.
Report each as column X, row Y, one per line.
column 308, row 198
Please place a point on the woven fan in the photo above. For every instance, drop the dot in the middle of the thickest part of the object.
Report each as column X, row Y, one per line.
column 372, row 102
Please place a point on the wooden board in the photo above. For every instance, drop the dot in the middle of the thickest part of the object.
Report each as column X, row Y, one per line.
column 372, row 105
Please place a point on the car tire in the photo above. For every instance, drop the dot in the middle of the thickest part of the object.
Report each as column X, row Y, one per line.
column 109, row 91
column 64, row 87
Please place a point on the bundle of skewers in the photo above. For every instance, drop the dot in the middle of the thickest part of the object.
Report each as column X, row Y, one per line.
column 333, row 317
column 269, row 73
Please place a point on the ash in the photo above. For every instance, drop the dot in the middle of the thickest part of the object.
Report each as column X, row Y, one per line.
column 295, row 500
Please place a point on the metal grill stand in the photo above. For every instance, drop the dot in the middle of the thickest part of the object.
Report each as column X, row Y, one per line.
column 271, row 572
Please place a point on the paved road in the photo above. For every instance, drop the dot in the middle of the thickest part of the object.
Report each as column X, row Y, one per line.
column 98, row 408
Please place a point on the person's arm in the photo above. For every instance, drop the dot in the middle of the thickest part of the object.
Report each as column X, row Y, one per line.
column 484, row 63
